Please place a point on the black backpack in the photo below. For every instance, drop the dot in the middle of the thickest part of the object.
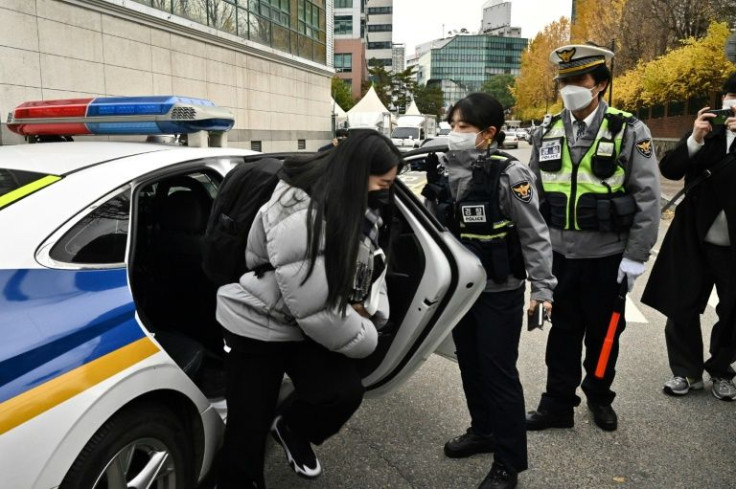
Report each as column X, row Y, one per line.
column 243, row 191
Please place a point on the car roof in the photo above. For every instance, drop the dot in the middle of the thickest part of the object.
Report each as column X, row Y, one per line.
column 66, row 157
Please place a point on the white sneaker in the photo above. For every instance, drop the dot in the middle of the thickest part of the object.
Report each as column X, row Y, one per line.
column 679, row 386
column 723, row 389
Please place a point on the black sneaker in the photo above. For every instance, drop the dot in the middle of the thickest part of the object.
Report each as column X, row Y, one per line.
column 298, row 450
column 499, row 478
column 468, row 444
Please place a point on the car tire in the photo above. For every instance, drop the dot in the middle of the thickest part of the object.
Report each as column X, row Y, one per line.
column 144, row 441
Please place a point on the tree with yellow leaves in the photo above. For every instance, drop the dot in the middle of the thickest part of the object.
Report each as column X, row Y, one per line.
column 535, row 87
column 695, row 69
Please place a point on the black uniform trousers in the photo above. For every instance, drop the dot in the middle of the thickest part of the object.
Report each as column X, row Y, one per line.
column 487, row 342
column 684, row 337
column 328, row 390
column 583, row 302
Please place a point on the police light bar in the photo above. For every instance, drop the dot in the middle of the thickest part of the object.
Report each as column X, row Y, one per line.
column 119, row 116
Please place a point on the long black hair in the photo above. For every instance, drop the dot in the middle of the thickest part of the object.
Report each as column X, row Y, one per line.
column 337, row 183
column 482, row 111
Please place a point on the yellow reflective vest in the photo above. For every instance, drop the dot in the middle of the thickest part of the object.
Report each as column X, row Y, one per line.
column 574, row 190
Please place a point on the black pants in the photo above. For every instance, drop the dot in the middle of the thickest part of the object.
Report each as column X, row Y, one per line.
column 328, row 390
column 684, row 337
column 583, row 301
column 487, row 341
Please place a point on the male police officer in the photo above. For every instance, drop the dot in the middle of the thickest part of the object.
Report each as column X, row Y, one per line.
column 599, row 187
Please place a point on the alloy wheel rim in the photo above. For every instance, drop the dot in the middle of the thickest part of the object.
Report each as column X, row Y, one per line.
column 142, row 464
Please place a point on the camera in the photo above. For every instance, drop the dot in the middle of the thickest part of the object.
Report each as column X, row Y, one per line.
column 721, row 116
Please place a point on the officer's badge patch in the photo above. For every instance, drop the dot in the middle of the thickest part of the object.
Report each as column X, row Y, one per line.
column 566, row 55
column 645, row 148
column 474, row 213
column 523, row 191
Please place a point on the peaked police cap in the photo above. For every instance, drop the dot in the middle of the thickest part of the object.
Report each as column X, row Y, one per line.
column 578, row 59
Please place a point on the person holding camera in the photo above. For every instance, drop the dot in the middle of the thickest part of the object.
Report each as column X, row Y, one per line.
column 699, row 251
column 599, row 190
column 487, row 200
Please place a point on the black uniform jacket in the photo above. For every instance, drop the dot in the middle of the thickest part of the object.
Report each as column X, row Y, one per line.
column 680, row 283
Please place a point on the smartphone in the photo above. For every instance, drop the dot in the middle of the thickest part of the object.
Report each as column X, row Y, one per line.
column 721, row 116
column 536, row 318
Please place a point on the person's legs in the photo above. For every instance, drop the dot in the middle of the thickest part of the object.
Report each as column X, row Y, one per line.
column 499, row 317
column 684, row 347
column 254, row 370
column 598, row 300
column 564, row 343
column 467, row 345
column 328, row 390
column 722, row 344
column 722, row 349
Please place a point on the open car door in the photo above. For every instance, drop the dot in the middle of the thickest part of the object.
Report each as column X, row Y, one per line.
column 432, row 281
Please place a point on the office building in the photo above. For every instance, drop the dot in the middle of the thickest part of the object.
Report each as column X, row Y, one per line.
column 462, row 64
column 399, row 57
column 349, row 30
column 379, row 33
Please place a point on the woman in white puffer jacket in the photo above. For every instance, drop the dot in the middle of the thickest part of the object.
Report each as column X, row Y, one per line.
column 313, row 306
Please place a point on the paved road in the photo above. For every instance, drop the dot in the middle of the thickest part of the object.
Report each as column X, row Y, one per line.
column 662, row 442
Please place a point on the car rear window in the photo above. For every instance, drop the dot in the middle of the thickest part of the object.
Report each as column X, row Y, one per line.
column 17, row 184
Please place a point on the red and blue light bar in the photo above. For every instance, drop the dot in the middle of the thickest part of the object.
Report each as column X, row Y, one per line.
column 151, row 115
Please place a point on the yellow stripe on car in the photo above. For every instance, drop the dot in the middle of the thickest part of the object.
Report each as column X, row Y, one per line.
column 25, row 406
column 27, row 189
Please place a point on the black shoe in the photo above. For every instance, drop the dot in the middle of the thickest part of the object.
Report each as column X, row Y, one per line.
column 499, row 478
column 298, row 450
column 604, row 416
column 541, row 420
column 468, row 444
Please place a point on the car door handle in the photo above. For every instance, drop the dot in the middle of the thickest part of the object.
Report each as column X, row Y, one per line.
column 430, row 303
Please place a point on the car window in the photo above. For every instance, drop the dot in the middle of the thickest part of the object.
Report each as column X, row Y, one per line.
column 17, row 184
column 100, row 237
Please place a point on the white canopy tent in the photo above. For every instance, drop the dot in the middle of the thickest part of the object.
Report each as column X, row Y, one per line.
column 413, row 109
column 371, row 113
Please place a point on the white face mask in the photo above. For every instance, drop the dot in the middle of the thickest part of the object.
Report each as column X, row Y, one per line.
column 575, row 97
column 462, row 141
column 729, row 103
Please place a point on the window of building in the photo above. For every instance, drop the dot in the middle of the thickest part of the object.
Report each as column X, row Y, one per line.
column 380, row 10
column 380, row 28
column 256, row 145
column 301, row 144
column 343, row 3
column 379, row 45
column 343, row 62
column 280, row 24
column 343, row 24
column 99, row 237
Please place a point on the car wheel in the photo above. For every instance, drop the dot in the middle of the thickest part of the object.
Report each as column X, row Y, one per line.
column 142, row 447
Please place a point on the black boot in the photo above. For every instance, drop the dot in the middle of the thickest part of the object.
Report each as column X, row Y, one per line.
column 468, row 444
column 499, row 478
column 604, row 416
column 542, row 419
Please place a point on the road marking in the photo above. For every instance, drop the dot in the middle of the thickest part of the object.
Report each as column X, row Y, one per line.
column 633, row 314
column 713, row 299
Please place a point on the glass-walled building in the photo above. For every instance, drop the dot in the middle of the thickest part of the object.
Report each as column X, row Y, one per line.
column 293, row 26
column 268, row 61
column 465, row 63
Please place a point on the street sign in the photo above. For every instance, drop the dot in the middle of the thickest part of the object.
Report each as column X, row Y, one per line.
column 731, row 47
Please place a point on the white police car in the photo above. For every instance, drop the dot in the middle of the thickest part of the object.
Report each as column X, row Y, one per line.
column 110, row 356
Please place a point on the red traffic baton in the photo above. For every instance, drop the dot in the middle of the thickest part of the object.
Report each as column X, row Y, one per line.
column 618, row 309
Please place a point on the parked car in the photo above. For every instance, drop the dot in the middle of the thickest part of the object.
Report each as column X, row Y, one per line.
column 511, row 140
column 112, row 361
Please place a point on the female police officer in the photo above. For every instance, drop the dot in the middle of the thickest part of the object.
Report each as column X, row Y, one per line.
column 487, row 199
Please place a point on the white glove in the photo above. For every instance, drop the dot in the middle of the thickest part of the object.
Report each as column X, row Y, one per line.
column 631, row 269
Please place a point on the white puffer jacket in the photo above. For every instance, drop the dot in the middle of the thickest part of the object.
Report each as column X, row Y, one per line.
column 277, row 306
